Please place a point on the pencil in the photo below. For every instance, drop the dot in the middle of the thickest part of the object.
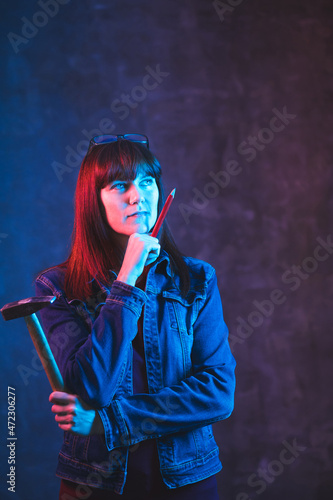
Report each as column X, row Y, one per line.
column 163, row 213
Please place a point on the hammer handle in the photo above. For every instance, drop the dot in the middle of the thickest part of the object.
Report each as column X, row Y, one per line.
column 44, row 352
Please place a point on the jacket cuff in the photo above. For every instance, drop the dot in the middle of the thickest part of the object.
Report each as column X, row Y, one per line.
column 115, row 429
column 128, row 296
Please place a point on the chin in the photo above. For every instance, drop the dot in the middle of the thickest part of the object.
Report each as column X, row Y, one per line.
column 142, row 230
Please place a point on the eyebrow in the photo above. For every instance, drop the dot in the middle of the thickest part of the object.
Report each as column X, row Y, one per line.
column 143, row 176
column 147, row 175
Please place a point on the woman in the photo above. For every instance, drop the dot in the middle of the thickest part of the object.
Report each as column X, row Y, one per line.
column 138, row 333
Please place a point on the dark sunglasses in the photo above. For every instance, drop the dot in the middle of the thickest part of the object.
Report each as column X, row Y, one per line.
column 105, row 139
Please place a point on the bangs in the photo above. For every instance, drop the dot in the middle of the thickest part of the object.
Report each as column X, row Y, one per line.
column 122, row 160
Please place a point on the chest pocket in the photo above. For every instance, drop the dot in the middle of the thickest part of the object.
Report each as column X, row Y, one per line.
column 183, row 312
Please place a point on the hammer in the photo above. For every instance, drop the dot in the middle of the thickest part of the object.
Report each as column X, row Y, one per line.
column 27, row 308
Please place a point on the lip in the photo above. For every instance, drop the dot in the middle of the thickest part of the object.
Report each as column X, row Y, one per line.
column 143, row 212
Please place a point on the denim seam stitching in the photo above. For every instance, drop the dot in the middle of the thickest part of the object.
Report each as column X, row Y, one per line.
column 124, row 304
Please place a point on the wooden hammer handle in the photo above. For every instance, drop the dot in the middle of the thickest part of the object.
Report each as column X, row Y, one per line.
column 44, row 352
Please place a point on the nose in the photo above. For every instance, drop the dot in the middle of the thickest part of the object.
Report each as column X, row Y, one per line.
column 135, row 195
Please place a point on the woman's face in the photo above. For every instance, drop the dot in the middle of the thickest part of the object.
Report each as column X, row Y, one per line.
column 131, row 206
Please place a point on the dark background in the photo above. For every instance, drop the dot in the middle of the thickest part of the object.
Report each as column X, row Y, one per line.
column 225, row 72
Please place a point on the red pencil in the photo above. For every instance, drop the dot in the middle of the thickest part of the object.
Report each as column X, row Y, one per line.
column 163, row 213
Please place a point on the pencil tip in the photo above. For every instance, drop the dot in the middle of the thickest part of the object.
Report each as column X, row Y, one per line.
column 173, row 192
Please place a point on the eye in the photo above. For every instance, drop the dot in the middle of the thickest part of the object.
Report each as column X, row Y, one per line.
column 148, row 181
column 119, row 186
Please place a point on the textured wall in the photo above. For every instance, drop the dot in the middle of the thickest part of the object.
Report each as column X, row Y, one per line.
column 238, row 109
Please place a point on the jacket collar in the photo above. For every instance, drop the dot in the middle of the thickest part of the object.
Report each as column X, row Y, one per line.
column 163, row 257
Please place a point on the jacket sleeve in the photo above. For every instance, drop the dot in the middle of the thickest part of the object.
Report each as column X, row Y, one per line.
column 201, row 399
column 92, row 363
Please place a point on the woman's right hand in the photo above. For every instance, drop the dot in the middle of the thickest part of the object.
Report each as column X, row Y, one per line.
column 141, row 250
column 72, row 414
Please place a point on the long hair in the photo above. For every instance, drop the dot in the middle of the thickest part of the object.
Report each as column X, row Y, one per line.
column 94, row 250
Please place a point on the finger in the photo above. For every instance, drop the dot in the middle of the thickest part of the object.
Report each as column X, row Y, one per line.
column 152, row 247
column 154, row 252
column 151, row 239
column 155, row 248
column 61, row 397
column 68, row 409
column 66, row 427
column 144, row 238
column 64, row 419
column 63, row 403
column 150, row 260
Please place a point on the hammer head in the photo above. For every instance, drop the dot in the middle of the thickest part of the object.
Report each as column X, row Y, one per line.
column 25, row 307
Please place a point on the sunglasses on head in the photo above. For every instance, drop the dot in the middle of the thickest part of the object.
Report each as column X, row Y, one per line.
column 106, row 139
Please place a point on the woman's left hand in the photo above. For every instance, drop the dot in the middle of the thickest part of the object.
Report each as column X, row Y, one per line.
column 74, row 415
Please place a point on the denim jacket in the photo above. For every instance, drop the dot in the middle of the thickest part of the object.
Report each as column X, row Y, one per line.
column 190, row 372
